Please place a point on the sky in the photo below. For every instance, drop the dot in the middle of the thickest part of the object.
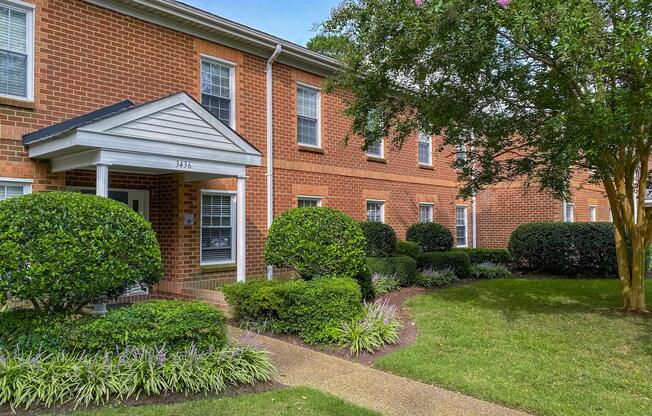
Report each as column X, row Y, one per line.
column 291, row 20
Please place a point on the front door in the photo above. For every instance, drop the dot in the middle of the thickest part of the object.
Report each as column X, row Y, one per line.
column 136, row 199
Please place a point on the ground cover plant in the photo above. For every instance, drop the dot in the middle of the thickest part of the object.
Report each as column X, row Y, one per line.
column 549, row 346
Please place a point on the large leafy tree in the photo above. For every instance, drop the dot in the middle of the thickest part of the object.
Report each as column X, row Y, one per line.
column 539, row 90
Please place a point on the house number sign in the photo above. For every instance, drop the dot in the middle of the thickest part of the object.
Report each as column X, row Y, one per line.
column 184, row 164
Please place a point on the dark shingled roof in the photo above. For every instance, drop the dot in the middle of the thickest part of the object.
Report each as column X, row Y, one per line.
column 73, row 123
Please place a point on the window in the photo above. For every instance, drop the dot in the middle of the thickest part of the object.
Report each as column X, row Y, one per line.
column 593, row 213
column 425, row 212
column 425, row 149
column 376, row 149
column 568, row 212
column 461, row 225
column 217, row 89
column 309, row 201
column 16, row 46
column 11, row 188
column 460, row 152
column 307, row 116
column 217, row 228
column 376, row 211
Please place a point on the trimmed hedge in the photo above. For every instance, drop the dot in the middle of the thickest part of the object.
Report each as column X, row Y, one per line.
column 313, row 309
column 430, row 236
column 570, row 249
column 177, row 325
column 459, row 261
column 404, row 267
column 316, row 241
column 408, row 248
column 62, row 250
column 488, row 255
column 381, row 239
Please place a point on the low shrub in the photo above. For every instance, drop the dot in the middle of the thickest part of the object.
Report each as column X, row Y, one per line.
column 458, row 261
column 430, row 277
column 364, row 279
column 489, row 271
column 430, row 236
column 488, row 255
column 63, row 250
column 25, row 330
column 379, row 326
column 383, row 283
column 408, row 248
column 81, row 379
column 311, row 309
column 570, row 249
column 175, row 324
column 316, row 241
column 381, row 238
column 404, row 267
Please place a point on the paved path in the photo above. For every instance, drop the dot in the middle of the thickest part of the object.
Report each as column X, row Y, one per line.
column 367, row 387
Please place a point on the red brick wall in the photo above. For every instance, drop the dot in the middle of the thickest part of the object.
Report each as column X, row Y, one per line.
column 87, row 57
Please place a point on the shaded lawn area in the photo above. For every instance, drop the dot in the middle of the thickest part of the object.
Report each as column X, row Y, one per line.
column 298, row 401
column 549, row 346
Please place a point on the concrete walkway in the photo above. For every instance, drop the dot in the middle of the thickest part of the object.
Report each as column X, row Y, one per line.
column 367, row 387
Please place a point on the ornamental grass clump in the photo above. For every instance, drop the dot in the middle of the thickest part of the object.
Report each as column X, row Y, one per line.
column 430, row 277
column 378, row 327
column 48, row 380
column 384, row 283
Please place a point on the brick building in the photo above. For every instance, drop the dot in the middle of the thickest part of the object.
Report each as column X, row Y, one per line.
column 185, row 115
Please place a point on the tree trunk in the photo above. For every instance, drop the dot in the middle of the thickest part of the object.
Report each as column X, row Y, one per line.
column 631, row 272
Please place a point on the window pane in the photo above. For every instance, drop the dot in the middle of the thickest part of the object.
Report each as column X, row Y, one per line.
column 375, row 149
column 216, row 90
column 425, row 149
column 374, row 211
column 307, row 102
column 308, row 202
column 10, row 191
column 217, row 229
column 425, row 213
column 460, row 225
column 307, row 131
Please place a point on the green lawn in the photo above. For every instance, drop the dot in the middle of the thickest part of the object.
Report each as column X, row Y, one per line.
column 285, row 402
column 552, row 347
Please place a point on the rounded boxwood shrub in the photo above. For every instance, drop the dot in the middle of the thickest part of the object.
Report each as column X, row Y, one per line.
column 403, row 267
column 456, row 260
column 430, row 236
column 62, row 250
column 316, row 242
column 571, row 249
column 408, row 248
column 381, row 238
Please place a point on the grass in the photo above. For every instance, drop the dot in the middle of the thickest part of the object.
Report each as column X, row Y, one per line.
column 284, row 402
column 548, row 346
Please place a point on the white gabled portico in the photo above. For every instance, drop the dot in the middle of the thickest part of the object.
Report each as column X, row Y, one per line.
column 174, row 134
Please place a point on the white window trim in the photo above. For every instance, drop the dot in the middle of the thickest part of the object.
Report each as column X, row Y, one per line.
column 563, row 211
column 593, row 213
column 234, row 221
column 319, row 199
column 466, row 226
column 427, row 204
column 429, row 163
column 30, row 9
column 318, row 104
column 232, row 67
column 382, row 209
column 25, row 183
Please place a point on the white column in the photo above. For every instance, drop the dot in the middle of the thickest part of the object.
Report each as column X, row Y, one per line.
column 241, row 230
column 102, row 179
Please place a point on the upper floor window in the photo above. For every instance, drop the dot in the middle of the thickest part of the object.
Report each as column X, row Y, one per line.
column 425, row 149
column 217, row 85
column 460, row 152
column 16, row 49
column 309, row 201
column 11, row 188
column 376, row 211
column 376, row 149
column 376, row 146
column 568, row 212
column 217, row 230
column 593, row 213
column 426, row 212
column 307, row 116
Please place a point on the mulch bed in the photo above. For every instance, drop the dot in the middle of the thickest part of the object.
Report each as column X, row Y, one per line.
column 148, row 400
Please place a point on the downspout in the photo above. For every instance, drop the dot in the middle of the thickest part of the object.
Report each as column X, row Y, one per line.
column 474, row 223
column 270, row 146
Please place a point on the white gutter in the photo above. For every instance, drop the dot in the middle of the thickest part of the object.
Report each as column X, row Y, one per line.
column 270, row 145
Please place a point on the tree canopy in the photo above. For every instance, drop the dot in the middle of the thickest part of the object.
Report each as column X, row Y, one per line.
column 537, row 90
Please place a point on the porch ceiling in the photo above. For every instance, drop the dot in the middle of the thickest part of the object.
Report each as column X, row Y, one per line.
column 171, row 134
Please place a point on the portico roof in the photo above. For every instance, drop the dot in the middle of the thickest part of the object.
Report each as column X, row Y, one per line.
column 171, row 134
